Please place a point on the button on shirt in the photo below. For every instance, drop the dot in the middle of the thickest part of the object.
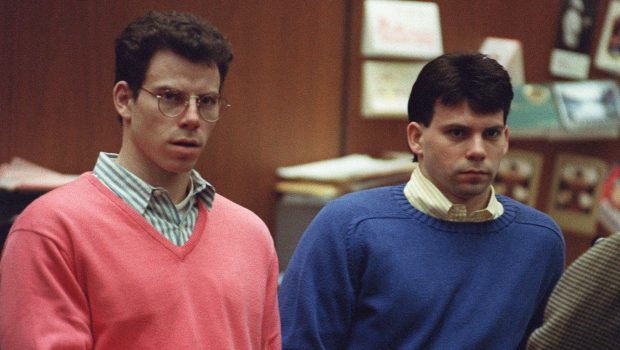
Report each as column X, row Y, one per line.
column 175, row 222
column 426, row 197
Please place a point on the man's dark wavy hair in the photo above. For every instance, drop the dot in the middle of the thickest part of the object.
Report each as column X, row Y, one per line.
column 184, row 34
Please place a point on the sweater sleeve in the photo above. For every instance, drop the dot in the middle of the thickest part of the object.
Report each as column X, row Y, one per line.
column 317, row 292
column 43, row 306
column 271, row 317
column 584, row 309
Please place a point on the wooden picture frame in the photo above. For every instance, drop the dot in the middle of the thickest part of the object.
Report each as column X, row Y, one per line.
column 518, row 176
column 576, row 189
column 608, row 50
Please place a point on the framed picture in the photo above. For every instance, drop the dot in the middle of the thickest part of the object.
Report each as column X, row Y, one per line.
column 608, row 50
column 609, row 206
column 591, row 104
column 518, row 176
column 386, row 87
column 570, row 57
column 408, row 29
column 576, row 189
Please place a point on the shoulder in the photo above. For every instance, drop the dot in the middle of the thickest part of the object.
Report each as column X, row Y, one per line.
column 602, row 259
column 583, row 307
column 532, row 218
column 376, row 201
column 72, row 197
column 341, row 218
column 227, row 212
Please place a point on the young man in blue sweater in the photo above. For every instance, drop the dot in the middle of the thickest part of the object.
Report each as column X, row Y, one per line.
column 440, row 262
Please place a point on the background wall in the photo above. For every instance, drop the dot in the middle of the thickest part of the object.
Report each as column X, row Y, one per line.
column 294, row 84
column 284, row 85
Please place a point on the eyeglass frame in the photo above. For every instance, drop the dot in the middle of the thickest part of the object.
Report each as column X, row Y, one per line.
column 222, row 104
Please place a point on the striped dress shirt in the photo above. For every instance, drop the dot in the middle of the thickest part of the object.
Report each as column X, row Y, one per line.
column 175, row 222
column 583, row 311
column 426, row 197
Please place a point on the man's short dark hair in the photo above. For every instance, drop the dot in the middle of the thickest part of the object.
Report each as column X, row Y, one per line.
column 184, row 34
column 458, row 77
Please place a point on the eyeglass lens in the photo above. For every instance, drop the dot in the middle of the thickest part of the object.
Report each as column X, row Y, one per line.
column 173, row 103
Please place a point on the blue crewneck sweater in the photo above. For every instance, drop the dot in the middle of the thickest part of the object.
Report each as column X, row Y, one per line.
column 373, row 272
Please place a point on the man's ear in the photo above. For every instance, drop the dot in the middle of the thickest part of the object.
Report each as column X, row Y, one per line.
column 414, row 138
column 123, row 100
column 506, row 134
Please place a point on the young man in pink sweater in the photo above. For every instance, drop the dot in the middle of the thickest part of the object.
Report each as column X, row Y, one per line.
column 141, row 253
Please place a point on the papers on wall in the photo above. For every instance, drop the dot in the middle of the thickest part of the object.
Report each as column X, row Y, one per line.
column 401, row 28
column 570, row 58
column 509, row 53
column 386, row 87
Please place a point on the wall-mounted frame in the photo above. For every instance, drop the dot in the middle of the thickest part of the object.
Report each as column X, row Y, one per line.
column 588, row 104
column 386, row 87
column 570, row 58
column 609, row 207
column 576, row 188
column 608, row 51
column 408, row 29
column 518, row 176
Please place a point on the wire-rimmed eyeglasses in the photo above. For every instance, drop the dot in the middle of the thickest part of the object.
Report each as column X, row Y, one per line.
column 173, row 103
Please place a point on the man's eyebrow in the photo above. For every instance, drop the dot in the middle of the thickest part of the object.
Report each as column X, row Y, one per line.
column 455, row 125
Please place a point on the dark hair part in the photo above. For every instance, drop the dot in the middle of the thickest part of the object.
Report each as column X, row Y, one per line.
column 184, row 34
column 457, row 77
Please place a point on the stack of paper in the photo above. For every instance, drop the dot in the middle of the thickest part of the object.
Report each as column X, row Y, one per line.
column 334, row 177
column 20, row 174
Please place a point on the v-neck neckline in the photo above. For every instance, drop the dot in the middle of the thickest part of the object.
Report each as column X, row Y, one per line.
column 181, row 252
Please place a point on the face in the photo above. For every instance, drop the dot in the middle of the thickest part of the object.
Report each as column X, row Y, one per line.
column 460, row 152
column 156, row 147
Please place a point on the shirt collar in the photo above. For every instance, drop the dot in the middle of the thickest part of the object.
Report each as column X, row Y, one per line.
column 427, row 198
column 136, row 191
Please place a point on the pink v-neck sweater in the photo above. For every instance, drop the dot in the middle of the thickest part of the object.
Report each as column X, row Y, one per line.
column 83, row 270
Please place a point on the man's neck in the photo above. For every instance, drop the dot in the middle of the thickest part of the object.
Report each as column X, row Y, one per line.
column 177, row 185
